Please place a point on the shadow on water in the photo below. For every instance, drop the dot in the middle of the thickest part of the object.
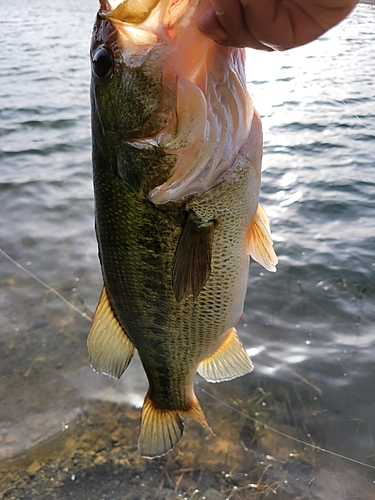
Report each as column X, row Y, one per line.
column 67, row 432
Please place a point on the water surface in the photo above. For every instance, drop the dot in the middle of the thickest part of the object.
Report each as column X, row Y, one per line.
column 310, row 326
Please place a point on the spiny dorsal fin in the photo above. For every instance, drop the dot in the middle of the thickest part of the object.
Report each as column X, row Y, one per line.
column 110, row 349
column 259, row 241
column 227, row 362
column 161, row 429
column 192, row 260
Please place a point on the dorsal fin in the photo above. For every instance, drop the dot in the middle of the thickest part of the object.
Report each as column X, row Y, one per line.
column 227, row 362
column 192, row 260
column 259, row 241
column 110, row 349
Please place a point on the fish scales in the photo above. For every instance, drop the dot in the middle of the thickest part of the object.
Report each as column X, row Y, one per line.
column 137, row 246
column 176, row 217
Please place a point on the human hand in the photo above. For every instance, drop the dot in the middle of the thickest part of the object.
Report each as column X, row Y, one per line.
column 271, row 24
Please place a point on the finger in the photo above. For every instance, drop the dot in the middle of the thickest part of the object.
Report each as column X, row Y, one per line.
column 228, row 28
column 267, row 21
column 209, row 25
column 233, row 21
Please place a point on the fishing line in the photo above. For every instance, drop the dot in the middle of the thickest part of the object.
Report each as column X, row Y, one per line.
column 220, row 401
column 338, row 98
column 280, row 433
column 258, row 422
column 44, row 285
column 212, row 396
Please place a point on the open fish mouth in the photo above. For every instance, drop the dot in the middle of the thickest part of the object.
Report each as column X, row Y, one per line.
column 213, row 113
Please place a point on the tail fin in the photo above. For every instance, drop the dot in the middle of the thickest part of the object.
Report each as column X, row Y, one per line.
column 162, row 429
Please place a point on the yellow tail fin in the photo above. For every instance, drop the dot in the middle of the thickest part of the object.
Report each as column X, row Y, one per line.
column 162, row 429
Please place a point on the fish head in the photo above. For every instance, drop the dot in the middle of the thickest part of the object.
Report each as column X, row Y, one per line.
column 158, row 82
column 127, row 80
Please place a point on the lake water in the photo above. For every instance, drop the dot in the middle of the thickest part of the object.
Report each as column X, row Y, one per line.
column 310, row 327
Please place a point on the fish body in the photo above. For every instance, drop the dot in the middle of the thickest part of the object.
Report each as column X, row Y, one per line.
column 177, row 150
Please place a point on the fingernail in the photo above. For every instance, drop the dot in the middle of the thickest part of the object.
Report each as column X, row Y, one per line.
column 207, row 28
column 218, row 6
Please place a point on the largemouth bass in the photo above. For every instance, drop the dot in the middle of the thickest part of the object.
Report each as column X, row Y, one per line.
column 177, row 149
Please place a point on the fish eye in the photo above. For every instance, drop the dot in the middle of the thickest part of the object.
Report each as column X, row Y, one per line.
column 102, row 62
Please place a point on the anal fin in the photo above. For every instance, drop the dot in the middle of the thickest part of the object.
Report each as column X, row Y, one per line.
column 192, row 260
column 259, row 241
column 110, row 349
column 227, row 362
column 161, row 429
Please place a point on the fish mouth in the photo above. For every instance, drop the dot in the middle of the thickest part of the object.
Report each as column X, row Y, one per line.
column 213, row 112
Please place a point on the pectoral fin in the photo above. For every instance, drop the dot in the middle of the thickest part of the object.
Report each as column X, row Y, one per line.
column 161, row 429
column 228, row 362
column 259, row 241
column 192, row 260
column 110, row 349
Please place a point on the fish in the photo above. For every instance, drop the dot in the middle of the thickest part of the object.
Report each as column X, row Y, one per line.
column 177, row 152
